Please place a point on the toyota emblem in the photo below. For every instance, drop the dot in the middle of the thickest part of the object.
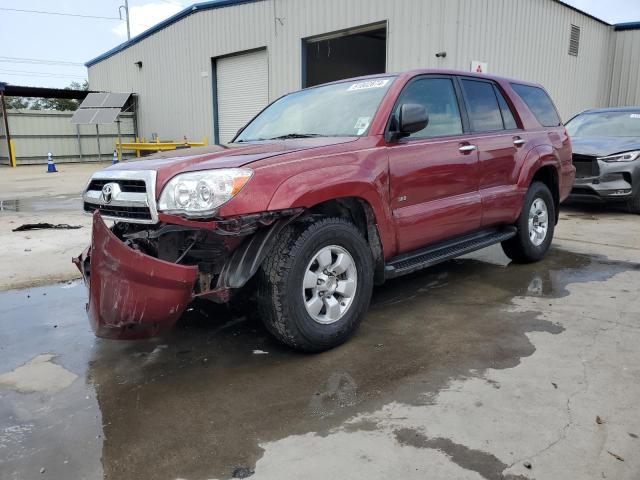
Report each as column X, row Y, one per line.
column 109, row 191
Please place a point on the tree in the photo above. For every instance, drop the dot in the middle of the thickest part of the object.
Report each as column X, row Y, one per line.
column 16, row 102
column 62, row 104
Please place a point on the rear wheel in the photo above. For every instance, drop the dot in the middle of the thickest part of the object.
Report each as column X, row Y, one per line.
column 315, row 284
column 535, row 226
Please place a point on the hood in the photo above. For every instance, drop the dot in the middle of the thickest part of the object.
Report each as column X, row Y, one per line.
column 170, row 163
column 604, row 146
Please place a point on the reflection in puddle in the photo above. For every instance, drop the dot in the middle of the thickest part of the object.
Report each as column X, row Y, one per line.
column 535, row 287
column 339, row 392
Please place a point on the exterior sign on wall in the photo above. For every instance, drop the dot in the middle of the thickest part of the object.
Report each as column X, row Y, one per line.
column 479, row 67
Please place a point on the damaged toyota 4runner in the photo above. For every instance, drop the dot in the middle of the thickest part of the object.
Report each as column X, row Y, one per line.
column 325, row 193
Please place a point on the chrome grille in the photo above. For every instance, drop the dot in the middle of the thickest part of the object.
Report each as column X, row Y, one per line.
column 122, row 195
column 125, row 213
column 125, row 185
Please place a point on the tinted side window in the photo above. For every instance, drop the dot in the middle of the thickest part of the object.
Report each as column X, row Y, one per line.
column 438, row 96
column 507, row 114
column 539, row 103
column 482, row 106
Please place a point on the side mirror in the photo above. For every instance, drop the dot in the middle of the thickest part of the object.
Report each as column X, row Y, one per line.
column 413, row 118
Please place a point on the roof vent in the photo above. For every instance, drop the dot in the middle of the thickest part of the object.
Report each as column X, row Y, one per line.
column 574, row 40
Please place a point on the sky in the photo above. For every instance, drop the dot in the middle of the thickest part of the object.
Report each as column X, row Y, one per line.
column 49, row 50
column 31, row 36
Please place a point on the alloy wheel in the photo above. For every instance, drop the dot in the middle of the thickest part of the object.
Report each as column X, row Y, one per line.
column 329, row 284
column 538, row 222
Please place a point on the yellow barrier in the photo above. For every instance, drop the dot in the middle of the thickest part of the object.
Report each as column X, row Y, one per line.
column 157, row 146
column 12, row 153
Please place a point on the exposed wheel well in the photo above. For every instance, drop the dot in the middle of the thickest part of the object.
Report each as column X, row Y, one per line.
column 549, row 176
column 359, row 212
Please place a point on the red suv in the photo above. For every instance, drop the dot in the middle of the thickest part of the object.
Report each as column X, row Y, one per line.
column 325, row 193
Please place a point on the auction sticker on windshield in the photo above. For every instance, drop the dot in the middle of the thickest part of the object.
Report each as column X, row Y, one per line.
column 368, row 84
column 361, row 125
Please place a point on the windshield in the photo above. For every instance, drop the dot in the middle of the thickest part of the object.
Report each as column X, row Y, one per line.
column 605, row 124
column 343, row 109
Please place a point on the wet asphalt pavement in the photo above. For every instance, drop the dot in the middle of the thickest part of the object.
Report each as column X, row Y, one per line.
column 205, row 401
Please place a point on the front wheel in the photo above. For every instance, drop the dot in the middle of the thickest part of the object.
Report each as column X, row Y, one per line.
column 315, row 284
column 535, row 226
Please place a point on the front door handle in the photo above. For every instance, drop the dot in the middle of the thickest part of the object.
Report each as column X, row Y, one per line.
column 518, row 142
column 467, row 149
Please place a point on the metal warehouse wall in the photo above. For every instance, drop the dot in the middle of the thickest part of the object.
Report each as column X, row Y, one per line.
column 526, row 39
column 37, row 132
column 625, row 83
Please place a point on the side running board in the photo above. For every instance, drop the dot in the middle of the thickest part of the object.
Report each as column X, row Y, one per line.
column 443, row 251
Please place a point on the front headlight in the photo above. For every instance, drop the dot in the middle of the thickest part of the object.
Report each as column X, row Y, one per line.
column 199, row 194
column 621, row 157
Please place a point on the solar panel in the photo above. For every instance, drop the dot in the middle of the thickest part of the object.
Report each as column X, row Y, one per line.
column 94, row 100
column 115, row 100
column 105, row 100
column 101, row 107
column 83, row 115
column 105, row 115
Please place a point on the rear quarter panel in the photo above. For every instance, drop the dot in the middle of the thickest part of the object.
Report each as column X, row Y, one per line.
column 547, row 146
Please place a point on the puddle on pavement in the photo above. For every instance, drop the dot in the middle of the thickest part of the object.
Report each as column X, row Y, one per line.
column 54, row 203
column 198, row 403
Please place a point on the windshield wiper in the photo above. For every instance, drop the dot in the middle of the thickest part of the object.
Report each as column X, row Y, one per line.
column 295, row 135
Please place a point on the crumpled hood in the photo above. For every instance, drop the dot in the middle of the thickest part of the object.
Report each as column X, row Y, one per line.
column 168, row 164
column 603, row 146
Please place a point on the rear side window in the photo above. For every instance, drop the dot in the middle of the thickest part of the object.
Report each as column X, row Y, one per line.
column 539, row 103
column 507, row 114
column 482, row 106
column 438, row 96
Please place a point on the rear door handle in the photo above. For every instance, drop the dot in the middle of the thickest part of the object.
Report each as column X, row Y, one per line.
column 518, row 142
column 467, row 148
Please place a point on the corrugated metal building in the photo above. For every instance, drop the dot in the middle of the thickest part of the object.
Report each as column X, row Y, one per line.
column 208, row 69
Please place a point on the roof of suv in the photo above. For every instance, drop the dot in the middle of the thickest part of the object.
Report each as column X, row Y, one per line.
column 471, row 74
column 424, row 71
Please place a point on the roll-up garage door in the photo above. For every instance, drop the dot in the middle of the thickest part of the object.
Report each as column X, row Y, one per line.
column 242, row 90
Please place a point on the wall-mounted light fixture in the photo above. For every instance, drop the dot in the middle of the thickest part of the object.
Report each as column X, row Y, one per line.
column 441, row 54
column 138, row 63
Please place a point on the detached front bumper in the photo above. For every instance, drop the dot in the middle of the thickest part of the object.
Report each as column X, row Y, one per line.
column 131, row 295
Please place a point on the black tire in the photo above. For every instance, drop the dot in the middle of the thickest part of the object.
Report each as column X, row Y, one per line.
column 521, row 248
column 280, row 280
column 634, row 204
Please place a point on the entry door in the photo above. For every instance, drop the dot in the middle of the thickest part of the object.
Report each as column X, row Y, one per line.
column 434, row 172
column 501, row 149
column 242, row 88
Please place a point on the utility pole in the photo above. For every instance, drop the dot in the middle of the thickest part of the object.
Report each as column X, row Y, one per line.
column 126, row 13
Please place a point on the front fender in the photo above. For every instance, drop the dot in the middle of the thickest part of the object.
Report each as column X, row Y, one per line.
column 324, row 184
